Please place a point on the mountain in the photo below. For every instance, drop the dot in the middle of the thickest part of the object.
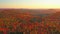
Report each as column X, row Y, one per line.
column 30, row 21
column 34, row 12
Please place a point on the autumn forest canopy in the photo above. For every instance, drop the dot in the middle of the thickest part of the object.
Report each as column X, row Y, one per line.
column 29, row 21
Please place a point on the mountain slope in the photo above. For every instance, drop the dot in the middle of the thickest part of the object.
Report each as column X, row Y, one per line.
column 53, row 20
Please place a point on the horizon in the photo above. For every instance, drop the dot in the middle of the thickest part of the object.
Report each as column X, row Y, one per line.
column 29, row 8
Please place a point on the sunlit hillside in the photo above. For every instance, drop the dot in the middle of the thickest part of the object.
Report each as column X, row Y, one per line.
column 29, row 21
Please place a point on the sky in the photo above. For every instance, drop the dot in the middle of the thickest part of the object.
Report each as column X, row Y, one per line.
column 30, row 4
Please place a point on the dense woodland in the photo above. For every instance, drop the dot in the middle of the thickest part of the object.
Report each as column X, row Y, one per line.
column 14, row 21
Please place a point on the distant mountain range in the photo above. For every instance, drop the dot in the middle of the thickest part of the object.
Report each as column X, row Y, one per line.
column 34, row 12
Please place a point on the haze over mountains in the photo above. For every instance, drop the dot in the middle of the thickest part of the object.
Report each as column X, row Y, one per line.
column 34, row 12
